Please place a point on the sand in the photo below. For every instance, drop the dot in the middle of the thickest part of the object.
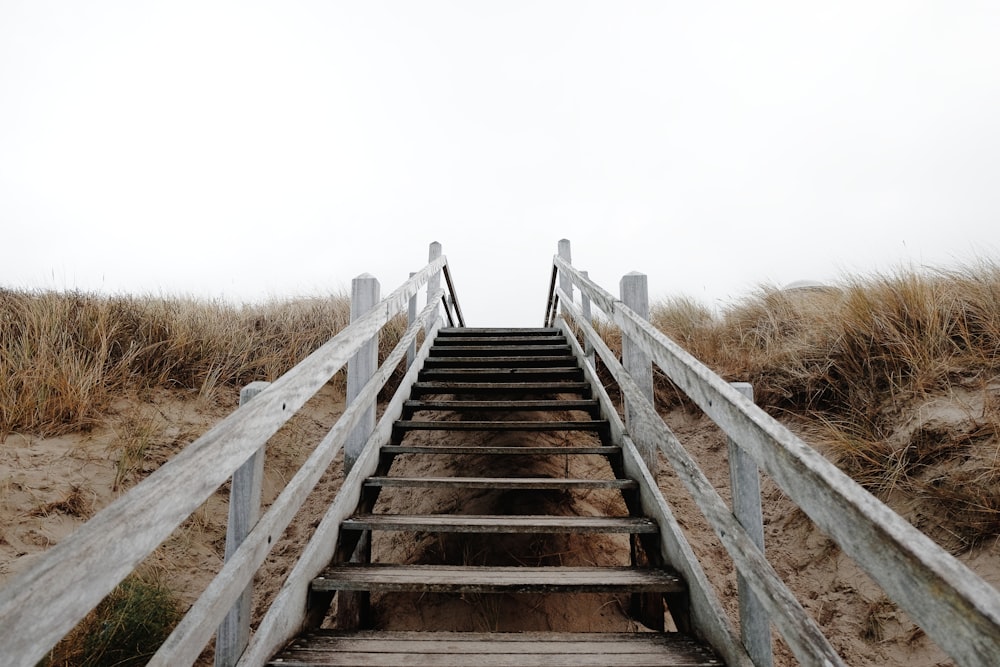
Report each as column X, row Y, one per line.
column 49, row 486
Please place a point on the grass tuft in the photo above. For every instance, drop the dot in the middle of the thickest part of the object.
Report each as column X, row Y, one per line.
column 125, row 629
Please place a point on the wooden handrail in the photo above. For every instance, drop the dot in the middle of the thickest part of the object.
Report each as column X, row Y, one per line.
column 41, row 604
column 957, row 609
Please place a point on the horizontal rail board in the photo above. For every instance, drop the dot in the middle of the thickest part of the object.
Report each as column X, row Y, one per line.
column 534, row 483
column 520, row 425
column 507, row 451
column 494, row 579
column 478, row 523
column 521, row 649
column 423, row 388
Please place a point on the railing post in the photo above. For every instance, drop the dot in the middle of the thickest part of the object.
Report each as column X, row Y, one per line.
column 588, row 348
column 361, row 367
column 635, row 295
column 565, row 284
column 411, row 316
column 744, row 482
column 434, row 282
column 244, row 510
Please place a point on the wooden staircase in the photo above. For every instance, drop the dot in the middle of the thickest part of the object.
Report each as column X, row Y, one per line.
column 517, row 399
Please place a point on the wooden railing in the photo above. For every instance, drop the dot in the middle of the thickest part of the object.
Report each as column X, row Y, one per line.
column 43, row 603
column 955, row 607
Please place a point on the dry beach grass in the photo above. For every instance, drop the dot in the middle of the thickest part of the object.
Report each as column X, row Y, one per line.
column 896, row 378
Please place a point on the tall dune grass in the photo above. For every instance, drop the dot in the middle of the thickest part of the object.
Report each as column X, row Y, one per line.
column 856, row 360
column 64, row 357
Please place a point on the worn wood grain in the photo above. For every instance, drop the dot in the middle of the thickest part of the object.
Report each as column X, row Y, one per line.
column 526, row 450
column 523, row 649
column 496, row 579
column 477, row 523
column 522, row 483
column 957, row 608
column 499, row 425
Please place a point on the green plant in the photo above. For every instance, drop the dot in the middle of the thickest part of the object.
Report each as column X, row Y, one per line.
column 125, row 629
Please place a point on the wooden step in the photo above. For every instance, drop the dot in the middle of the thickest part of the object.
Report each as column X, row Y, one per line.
column 494, row 523
column 553, row 361
column 423, row 388
column 506, row 483
column 495, row 649
column 588, row 405
column 499, row 331
column 500, row 374
column 438, row 351
column 500, row 340
column 519, row 425
column 495, row 579
column 608, row 450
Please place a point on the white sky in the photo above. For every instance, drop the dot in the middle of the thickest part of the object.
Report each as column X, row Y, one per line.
column 256, row 149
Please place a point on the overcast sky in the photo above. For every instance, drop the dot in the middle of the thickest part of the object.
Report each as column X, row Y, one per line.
column 248, row 150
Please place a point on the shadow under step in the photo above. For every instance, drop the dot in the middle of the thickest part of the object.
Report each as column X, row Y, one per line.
column 502, row 483
column 500, row 523
column 495, row 649
column 495, row 579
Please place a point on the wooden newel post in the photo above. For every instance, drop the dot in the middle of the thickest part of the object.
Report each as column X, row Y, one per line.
column 244, row 511
column 635, row 295
column 744, row 481
column 434, row 282
column 587, row 315
column 565, row 283
column 361, row 367
column 411, row 316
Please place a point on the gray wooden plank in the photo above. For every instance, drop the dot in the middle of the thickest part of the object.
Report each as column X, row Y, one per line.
column 536, row 483
column 495, row 579
column 493, row 361
column 605, row 450
column 527, row 649
column 522, row 405
column 525, row 386
column 512, row 425
column 478, row 523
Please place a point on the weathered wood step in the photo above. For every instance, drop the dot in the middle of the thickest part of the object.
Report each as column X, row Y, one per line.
column 518, row 425
column 506, row 483
column 438, row 351
column 504, row 451
column 498, row 331
column 589, row 405
column 422, row 388
column 494, row 523
column 500, row 374
column 539, row 361
column 500, row 340
column 495, row 649
column 494, row 579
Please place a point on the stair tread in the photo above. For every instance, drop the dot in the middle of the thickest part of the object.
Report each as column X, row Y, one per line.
column 437, row 387
column 501, row 483
column 494, row 523
column 606, row 450
column 525, row 406
column 495, row 649
column 508, row 425
column 498, row 579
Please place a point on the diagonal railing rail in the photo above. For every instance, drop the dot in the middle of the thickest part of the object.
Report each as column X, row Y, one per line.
column 957, row 608
column 43, row 603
